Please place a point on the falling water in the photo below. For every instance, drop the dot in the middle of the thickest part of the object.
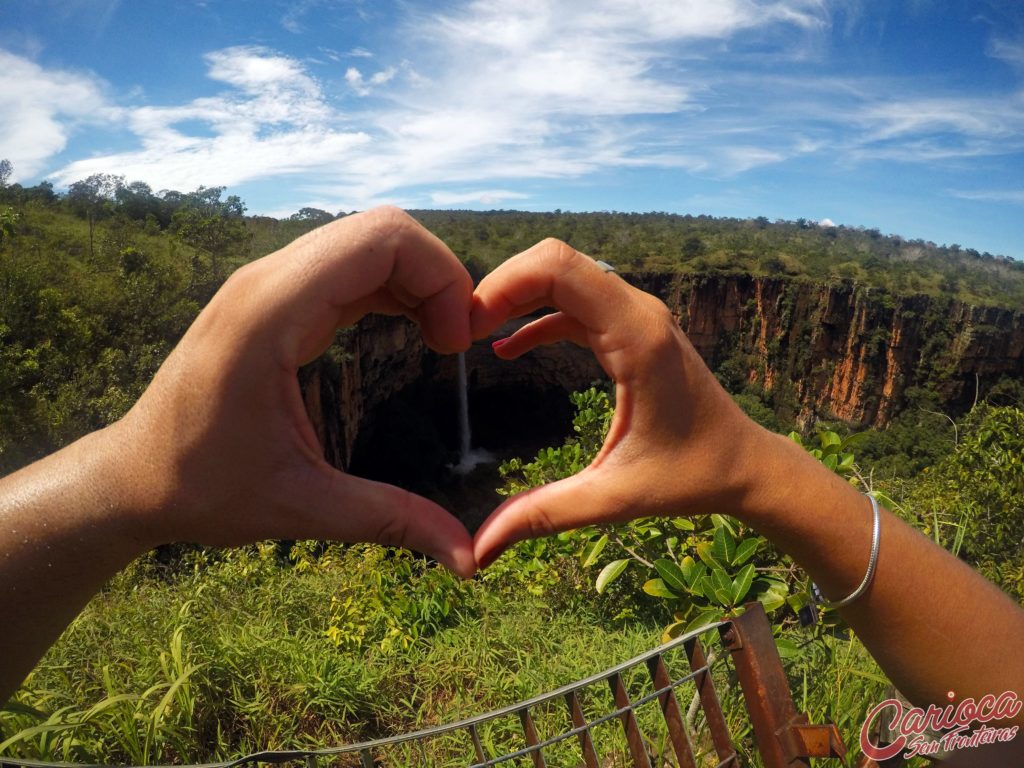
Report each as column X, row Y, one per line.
column 465, row 437
column 468, row 457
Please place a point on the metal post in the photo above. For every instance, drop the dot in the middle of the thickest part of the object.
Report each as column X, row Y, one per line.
column 670, row 709
column 634, row 737
column 532, row 740
column 710, row 704
column 590, row 758
column 784, row 737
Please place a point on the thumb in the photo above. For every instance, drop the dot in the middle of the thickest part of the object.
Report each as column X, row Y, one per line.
column 358, row 510
column 583, row 499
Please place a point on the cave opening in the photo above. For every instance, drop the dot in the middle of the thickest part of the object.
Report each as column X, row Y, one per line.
column 412, row 439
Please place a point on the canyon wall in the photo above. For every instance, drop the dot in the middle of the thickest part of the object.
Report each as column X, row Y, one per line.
column 836, row 351
column 842, row 351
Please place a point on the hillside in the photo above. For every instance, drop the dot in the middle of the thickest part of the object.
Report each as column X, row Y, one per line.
column 662, row 242
column 97, row 285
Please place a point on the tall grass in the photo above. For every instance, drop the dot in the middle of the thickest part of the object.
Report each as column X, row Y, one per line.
column 242, row 653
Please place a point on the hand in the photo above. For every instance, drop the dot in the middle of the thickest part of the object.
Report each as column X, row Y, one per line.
column 219, row 448
column 677, row 444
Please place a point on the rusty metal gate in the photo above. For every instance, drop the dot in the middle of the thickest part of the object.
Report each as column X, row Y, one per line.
column 638, row 713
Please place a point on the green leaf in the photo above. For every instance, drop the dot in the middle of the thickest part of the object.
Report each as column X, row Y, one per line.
column 683, row 523
column 829, row 438
column 721, row 585
column 855, row 440
column 593, row 550
column 831, row 461
column 658, row 588
column 745, row 550
column 704, row 552
column 774, row 597
column 671, row 574
column 689, row 567
column 741, row 584
column 673, row 630
column 787, row 648
column 610, row 573
column 798, row 601
column 724, row 547
column 704, row 618
column 720, row 521
column 880, row 679
column 704, row 586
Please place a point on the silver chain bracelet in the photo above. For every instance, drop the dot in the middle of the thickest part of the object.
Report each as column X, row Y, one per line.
column 876, row 531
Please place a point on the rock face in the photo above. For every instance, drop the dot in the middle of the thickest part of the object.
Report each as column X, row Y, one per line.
column 829, row 351
column 843, row 351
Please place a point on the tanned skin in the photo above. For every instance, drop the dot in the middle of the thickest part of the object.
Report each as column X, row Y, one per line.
column 219, row 450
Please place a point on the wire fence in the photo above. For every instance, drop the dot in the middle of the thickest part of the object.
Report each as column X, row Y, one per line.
column 658, row 709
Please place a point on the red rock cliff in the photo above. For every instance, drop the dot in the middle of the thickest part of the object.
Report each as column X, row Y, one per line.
column 845, row 352
column 833, row 351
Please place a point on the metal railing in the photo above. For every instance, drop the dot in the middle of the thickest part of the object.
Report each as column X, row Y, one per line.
column 630, row 713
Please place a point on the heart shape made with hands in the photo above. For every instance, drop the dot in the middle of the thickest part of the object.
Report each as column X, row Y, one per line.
column 229, row 456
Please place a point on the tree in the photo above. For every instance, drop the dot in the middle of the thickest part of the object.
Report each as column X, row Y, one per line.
column 972, row 501
column 315, row 215
column 137, row 201
column 90, row 196
column 8, row 221
column 6, row 169
column 212, row 226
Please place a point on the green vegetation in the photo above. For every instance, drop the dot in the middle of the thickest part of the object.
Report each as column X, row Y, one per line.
column 196, row 655
column 241, row 651
column 98, row 284
column 663, row 242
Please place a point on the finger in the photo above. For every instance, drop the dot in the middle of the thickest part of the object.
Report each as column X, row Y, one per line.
column 583, row 499
column 352, row 509
column 333, row 275
column 553, row 274
column 550, row 273
column 545, row 330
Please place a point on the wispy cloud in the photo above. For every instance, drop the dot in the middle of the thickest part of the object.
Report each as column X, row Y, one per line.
column 991, row 195
column 39, row 110
column 469, row 101
column 273, row 121
column 1010, row 51
column 480, row 197
column 512, row 91
column 364, row 85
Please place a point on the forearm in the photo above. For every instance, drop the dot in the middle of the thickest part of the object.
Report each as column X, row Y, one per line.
column 932, row 623
column 65, row 529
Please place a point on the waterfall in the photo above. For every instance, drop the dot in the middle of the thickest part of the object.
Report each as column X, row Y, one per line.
column 465, row 436
column 468, row 456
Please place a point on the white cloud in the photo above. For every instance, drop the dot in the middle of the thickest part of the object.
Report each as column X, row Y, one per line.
column 39, row 110
column 482, row 197
column 274, row 121
column 991, row 195
column 363, row 86
column 254, row 69
column 470, row 100
column 826, row 223
column 1010, row 51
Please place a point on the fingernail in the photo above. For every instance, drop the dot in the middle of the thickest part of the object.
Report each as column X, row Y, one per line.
column 496, row 345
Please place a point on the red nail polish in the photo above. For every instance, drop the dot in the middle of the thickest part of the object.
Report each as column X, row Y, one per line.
column 498, row 344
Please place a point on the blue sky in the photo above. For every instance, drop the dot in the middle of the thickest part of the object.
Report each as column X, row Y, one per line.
column 905, row 116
